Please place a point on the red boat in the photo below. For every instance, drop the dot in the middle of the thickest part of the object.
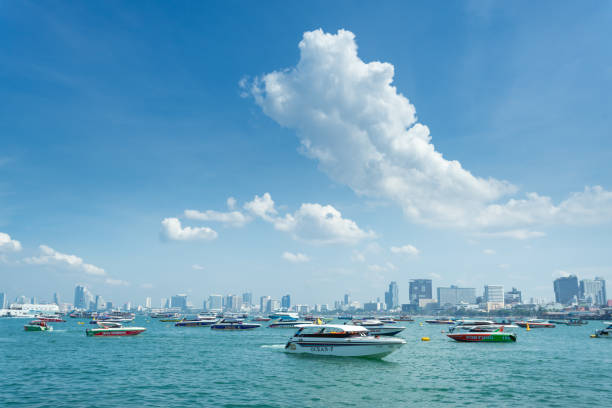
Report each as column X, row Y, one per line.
column 55, row 319
column 536, row 324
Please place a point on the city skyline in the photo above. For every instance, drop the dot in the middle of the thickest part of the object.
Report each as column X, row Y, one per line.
column 568, row 290
column 452, row 150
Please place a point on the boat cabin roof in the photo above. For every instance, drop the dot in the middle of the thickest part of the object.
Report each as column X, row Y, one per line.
column 337, row 327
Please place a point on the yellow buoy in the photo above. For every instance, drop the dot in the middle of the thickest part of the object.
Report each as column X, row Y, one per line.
column 528, row 329
column 424, row 338
column 593, row 336
column 420, row 324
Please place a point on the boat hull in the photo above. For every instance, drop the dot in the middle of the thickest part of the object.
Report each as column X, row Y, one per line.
column 196, row 323
column 35, row 328
column 356, row 349
column 384, row 331
column 536, row 325
column 114, row 332
column 484, row 337
column 234, row 326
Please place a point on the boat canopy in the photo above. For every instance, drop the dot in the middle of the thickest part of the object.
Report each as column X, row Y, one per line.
column 338, row 327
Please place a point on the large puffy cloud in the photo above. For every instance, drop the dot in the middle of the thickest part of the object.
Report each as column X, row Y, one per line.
column 7, row 244
column 173, row 230
column 363, row 133
column 50, row 256
column 312, row 222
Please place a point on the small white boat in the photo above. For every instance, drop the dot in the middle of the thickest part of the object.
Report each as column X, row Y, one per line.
column 341, row 340
column 378, row 327
column 288, row 323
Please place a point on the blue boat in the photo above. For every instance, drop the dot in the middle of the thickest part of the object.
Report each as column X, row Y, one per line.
column 234, row 324
column 194, row 323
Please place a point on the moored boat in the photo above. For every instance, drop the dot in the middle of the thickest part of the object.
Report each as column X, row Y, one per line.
column 404, row 318
column 536, row 324
column 604, row 333
column 50, row 318
column 341, row 340
column 234, row 324
column 194, row 323
column 440, row 321
column 288, row 323
column 109, row 329
column 37, row 325
column 378, row 327
column 497, row 336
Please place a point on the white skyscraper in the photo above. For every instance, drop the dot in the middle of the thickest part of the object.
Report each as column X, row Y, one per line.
column 494, row 296
column 148, row 302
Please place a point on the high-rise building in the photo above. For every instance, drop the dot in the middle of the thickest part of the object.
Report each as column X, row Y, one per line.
column 148, row 302
column 392, row 296
column 56, row 298
column 454, row 296
column 513, row 297
column 100, row 304
column 247, row 299
column 3, row 301
column 494, row 296
column 263, row 303
column 272, row 305
column 215, row 302
column 286, row 302
column 83, row 299
column 33, row 300
column 179, row 301
column 420, row 289
column 347, row 299
column 566, row 289
column 233, row 303
column 593, row 291
column 162, row 303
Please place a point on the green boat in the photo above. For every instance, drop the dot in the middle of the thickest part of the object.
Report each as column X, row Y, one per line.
column 498, row 336
column 37, row 325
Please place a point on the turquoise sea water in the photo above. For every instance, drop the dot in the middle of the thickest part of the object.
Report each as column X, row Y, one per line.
column 180, row 367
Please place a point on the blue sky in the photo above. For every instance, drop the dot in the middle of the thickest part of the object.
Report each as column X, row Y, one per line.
column 116, row 116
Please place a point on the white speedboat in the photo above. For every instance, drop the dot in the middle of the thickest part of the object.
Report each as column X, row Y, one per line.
column 288, row 323
column 378, row 328
column 341, row 340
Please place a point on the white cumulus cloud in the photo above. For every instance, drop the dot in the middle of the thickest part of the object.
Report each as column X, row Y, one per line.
column 295, row 258
column 197, row 267
column 116, row 282
column 172, row 230
column 50, row 256
column 350, row 117
column 514, row 234
column 7, row 244
column 406, row 249
column 312, row 222
column 488, row 252
column 233, row 218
